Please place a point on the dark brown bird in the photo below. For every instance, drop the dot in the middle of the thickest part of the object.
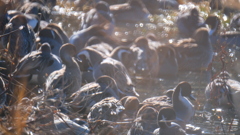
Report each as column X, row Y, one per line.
column 91, row 93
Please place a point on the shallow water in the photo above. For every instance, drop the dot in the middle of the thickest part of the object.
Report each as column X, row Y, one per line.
column 163, row 26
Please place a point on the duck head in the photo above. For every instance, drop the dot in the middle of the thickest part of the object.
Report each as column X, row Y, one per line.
column 169, row 93
column 131, row 104
column 67, row 52
column 166, row 115
column 186, row 90
column 201, row 36
column 224, row 75
column 32, row 19
column 109, row 84
column 19, row 20
column 148, row 117
column 214, row 23
column 194, row 12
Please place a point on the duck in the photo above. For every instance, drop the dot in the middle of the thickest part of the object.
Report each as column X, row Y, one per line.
column 93, row 92
column 104, row 65
column 229, row 39
column 146, row 63
column 100, row 15
column 133, row 11
column 145, row 122
column 196, row 53
column 20, row 38
column 219, row 92
column 182, row 106
column 166, row 122
column 223, row 92
column 168, row 64
column 67, row 80
column 188, row 22
column 102, row 114
column 32, row 19
column 35, row 67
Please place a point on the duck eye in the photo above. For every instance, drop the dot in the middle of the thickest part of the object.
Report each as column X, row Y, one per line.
column 50, row 63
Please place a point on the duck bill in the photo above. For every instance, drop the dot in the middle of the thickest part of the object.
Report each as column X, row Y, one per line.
column 192, row 97
column 135, row 93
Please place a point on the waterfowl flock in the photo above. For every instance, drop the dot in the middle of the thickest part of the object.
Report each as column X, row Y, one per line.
column 96, row 81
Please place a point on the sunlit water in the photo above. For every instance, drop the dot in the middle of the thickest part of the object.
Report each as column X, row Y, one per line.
column 163, row 26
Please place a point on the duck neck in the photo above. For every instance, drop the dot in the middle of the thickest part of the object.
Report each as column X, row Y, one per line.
column 96, row 58
column 177, row 95
column 215, row 28
column 70, row 62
